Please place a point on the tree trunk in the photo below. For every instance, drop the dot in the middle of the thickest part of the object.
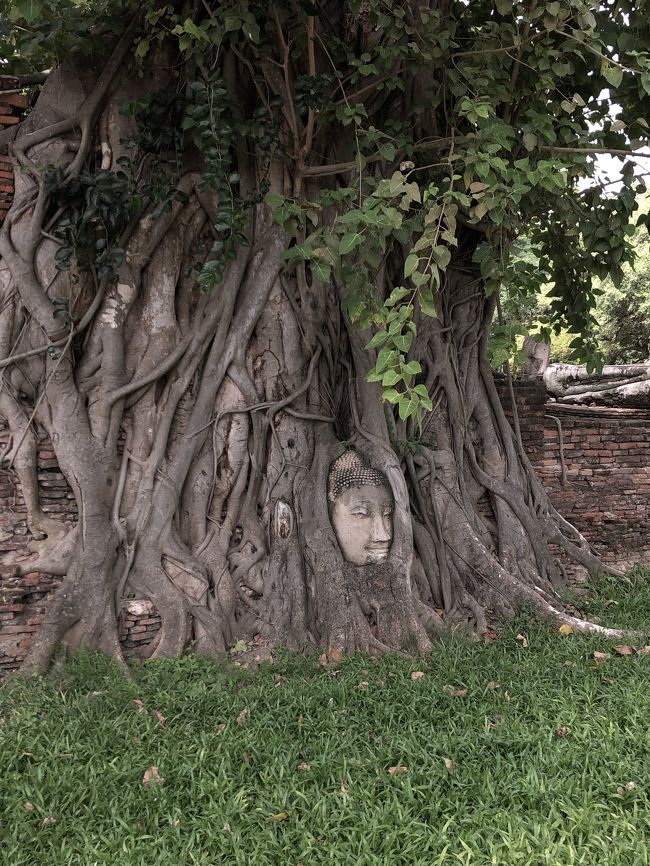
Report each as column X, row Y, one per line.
column 198, row 430
column 618, row 385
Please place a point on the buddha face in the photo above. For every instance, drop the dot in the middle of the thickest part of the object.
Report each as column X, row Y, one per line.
column 362, row 517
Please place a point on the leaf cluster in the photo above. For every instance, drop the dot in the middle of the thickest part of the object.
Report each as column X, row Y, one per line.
column 429, row 129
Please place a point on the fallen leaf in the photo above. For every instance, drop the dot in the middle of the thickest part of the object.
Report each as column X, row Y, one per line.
column 623, row 649
column 303, row 765
column 281, row 816
column 449, row 764
column 220, row 729
column 644, row 651
column 620, row 790
column 522, row 640
column 561, row 730
column 506, row 696
column 493, row 684
column 48, row 821
column 489, row 636
column 152, row 778
column 630, row 786
column 363, row 685
column 139, row 705
column 565, row 629
column 334, row 655
column 160, row 718
column 569, row 664
column 600, row 657
column 417, row 675
column 243, row 716
column 322, row 660
column 399, row 770
column 29, row 807
column 456, row 693
column 98, row 694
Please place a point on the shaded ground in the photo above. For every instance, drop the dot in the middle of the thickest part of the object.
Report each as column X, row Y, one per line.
column 525, row 751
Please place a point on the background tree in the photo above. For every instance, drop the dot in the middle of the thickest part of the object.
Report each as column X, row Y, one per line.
column 244, row 234
column 623, row 310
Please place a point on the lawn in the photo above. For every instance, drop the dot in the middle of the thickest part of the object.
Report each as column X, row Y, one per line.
column 524, row 751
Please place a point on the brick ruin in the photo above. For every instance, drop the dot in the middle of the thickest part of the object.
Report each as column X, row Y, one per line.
column 595, row 464
column 12, row 107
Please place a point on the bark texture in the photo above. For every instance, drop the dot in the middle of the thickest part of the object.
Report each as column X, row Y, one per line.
column 619, row 385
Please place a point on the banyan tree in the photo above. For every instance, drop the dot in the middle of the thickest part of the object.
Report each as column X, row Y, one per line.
column 248, row 281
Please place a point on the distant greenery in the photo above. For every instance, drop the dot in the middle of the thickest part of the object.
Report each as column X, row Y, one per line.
column 520, row 752
column 622, row 312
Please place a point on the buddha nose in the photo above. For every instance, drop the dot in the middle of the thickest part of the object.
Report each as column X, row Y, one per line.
column 381, row 528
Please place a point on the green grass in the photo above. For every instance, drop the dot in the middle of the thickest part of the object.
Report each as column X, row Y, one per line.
column 519, row 793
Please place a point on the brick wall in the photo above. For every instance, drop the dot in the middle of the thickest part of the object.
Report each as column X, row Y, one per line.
column 12, row 106
column 23, row 599
column 606, row 491
column 604, row 488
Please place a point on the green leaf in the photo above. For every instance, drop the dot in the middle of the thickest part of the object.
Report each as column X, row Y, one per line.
column 142, row 48
column 413, row 367
column 613, row 74
column 386, row 358
column 391, row 377
column 530, row 141
column 480, row 210
column 442, row 255
column 411, row 263
column 378, row 340
column 387, row 150
column 395, row 296
column 408, row 407
column 349, row 241
column 321, row 270
column 427, row 304
column 403, row 342
column 390, row 395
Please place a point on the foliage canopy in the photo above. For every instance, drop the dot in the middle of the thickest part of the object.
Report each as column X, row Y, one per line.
column 502, row 107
